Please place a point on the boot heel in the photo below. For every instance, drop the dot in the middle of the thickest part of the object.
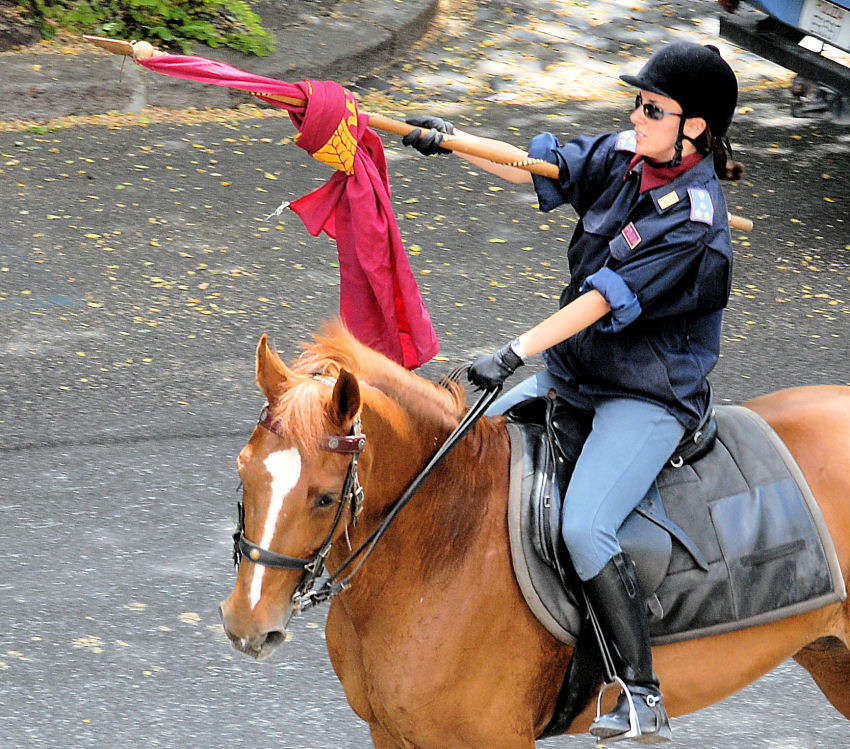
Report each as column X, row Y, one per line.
column 663, row 732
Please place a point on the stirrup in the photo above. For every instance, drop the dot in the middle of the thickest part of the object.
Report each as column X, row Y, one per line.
column 634, row 727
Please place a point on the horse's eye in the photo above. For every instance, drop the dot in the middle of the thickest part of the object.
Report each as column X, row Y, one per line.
column 325, row 500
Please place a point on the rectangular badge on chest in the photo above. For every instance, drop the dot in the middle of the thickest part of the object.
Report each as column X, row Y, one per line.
column 665, row 201
column 630, row 234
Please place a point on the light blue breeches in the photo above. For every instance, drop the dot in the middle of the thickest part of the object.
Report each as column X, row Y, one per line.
column 627, row 447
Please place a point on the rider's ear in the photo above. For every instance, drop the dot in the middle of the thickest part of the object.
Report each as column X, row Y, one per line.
column 272, row 373
column 346, row 399
column 694, row 127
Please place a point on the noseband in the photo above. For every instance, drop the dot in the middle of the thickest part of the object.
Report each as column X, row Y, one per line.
column 351, row 496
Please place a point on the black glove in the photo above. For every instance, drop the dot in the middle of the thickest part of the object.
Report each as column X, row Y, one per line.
column 491, row 371
column 429, row 143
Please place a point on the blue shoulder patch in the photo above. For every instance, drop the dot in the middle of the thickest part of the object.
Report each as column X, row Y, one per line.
column 702, row 209
column 626, row 142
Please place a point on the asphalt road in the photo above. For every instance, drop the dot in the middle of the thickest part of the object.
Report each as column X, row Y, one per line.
column 138, row 271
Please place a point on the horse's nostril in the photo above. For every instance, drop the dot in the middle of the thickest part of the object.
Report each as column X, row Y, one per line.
column 250, row 641
column 273, row 639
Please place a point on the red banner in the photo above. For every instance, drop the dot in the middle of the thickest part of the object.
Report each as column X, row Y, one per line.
column 380, row 301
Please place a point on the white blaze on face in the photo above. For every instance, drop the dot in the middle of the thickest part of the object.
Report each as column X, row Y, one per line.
column 284, row 466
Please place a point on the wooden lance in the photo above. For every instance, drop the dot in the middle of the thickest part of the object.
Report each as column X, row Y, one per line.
column 490, row 149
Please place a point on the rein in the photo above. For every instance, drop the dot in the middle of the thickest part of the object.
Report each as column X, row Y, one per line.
column 306, row 594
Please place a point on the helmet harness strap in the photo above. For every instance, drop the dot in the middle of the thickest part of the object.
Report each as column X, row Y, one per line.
column 677, row 153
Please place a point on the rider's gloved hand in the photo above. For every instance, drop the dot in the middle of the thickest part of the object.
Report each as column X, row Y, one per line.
column 428, row 143
column 491, row 371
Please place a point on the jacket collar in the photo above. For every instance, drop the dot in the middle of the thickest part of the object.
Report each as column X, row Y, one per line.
column 652, row 177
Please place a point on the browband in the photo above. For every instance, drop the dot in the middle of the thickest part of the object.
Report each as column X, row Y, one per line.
column 352, row 444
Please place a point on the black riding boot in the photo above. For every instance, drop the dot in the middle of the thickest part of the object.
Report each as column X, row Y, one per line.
column 616, row 600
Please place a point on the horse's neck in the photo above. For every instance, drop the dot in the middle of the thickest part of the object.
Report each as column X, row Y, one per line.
column 439, row 589
column 444, row 528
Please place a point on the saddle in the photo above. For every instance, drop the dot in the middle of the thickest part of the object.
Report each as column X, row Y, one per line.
column 729, row 536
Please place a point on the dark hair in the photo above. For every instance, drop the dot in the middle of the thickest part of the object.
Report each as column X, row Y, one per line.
column 721, row 151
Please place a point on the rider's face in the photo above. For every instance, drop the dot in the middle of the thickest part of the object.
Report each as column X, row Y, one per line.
column 656, row 120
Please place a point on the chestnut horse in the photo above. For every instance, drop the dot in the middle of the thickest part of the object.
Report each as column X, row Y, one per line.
column 433, row 642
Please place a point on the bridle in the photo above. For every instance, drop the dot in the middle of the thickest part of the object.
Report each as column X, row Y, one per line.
column 307, row 594
column 351, row 496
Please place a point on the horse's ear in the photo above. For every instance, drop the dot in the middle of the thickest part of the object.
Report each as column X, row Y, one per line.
column 271, row 371
column 345, row 401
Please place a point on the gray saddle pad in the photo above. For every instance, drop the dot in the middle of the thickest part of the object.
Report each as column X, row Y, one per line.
column 732, row 540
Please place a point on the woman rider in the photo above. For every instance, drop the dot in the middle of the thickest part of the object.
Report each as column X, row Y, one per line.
column 638, row 329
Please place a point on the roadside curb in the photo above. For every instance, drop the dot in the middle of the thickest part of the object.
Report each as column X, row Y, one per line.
column 39, row 85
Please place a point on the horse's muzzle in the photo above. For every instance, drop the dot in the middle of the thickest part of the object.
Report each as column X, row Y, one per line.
column 259, row 644
column 259, row 647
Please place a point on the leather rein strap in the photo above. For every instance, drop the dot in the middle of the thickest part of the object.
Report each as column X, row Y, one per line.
column 307, row 594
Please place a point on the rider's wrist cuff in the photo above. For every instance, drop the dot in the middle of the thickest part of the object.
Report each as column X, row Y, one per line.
column 519, row 349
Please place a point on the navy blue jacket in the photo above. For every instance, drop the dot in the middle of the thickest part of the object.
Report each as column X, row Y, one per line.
column 662, row 260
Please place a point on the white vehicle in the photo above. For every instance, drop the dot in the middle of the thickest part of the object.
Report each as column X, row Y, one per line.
column 803, row 36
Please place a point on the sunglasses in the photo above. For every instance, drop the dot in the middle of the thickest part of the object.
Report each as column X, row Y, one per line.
column 653, row 111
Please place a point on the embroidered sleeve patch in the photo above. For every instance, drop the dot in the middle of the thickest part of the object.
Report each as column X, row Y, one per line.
column 626, row 141
column 702, row 209
column 630, row 234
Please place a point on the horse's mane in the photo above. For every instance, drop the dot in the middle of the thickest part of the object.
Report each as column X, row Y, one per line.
column 336, row 349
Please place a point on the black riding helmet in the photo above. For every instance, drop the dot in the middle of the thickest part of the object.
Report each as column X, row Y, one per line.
column 698, row 78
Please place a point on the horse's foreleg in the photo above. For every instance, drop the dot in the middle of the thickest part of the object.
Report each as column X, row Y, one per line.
column 828, row 661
